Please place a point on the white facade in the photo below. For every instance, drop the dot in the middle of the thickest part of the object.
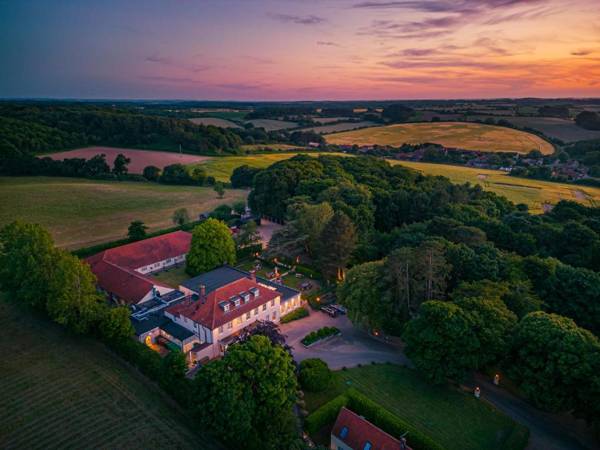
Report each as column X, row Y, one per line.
column 160, row 265
column 338, row 444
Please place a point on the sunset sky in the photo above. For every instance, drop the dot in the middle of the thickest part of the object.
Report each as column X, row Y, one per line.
column 299, row 49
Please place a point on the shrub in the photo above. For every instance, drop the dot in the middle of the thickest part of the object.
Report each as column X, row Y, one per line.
column 314, row 375
column 321, row 333
column 294, row 315
column 325, row 415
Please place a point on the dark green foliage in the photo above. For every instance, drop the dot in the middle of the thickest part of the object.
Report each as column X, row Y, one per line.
column 397, row 113
column 120, row 164
column 335, row 246
column 136, row 230
column 319, row 334
column 176, row 174
column 151, row 173
column 557, row 364
column 243, row 176
column 314, row 375
column 212, row 246
column 246, row 397
column 441, row 342
column 589, row 120
column 297, row 314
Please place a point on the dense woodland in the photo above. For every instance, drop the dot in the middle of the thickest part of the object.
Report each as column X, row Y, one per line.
column 464, row 276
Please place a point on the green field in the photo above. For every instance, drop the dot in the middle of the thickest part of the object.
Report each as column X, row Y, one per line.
column 222, row 168
column 455, row 420
column 537, row 194
column 65, row 391
column 468, row 136
column 80, row 212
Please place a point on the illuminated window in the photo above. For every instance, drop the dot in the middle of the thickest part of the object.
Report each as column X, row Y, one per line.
column 344, row 433
column 265, row 307
column 230, row 325
column 367, row 446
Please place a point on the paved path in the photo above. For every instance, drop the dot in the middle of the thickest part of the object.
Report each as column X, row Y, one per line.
column 353, row 347
column 547, row 431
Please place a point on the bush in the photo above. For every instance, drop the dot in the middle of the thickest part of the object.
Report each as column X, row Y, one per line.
column 321, row 333
column 325, row 415
column 314, row 375
column 294, row 315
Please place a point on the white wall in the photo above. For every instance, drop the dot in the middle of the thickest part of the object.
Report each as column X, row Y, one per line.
column 159, row 265
column 337, row 444
column 162, row 290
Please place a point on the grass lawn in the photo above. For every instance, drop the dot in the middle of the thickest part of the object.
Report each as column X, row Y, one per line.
column 222, row 168
column 65, row 391
column 456, row 420
column 534, row 193
column 172, row 277
column 82, row 212
column 468, row 136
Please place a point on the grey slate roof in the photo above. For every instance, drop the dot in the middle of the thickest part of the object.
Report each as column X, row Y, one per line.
column 175, row 330
column 226, row 274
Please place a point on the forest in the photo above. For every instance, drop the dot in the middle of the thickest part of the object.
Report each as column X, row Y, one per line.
column 463, row 275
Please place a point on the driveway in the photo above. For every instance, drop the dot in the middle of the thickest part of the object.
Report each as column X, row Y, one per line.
column 351, row 348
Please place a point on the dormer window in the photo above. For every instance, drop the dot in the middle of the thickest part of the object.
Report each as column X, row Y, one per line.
column 254, row 291
column 344, row 432
column 245, row 296
column 367, row 446
column 236, row 301
column 225, row 306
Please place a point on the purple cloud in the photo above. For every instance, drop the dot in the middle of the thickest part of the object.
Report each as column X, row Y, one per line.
column 328, row 44
column 300, row 20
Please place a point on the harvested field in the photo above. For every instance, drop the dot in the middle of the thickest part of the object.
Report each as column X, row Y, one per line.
column 79, row 212
column 214, row 121
column 139, row 158
column 562, row 129
column 64, row 391
column 468, row 136
column 342, row 126
column 271, row 124
column 534, row 193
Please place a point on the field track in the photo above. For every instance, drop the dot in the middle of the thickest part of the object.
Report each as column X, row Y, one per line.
column 64, row 391
column 139, row 158
column 467, row 136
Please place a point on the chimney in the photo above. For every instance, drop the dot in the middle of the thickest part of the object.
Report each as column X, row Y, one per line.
column 202, row 293
column 253, row 275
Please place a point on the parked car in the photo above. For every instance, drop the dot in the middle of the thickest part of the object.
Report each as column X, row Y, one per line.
column 306, row 286
column 339, row 308
column 329, row 310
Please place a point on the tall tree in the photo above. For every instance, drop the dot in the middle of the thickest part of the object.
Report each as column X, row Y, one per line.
column 336, row 243
column 556, row 363
column 441, row 342
column 120, row 164
column 181, row 216
column 310, row 222
column 136, row 230
column 151, row 173
column 219, row 189
column 212, row 245
column 27, row 259
column 246, row 397
column 73, row 300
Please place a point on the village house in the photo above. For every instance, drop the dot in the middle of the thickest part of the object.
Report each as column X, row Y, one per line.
column 123, row 272
column 354, row 432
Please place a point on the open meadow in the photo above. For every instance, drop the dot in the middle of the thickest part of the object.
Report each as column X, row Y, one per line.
column 272, row 124
column 139, row 158
column 81, row 212
column 537, row 194
column 453, row 419
column 467, row 136
column 215, row 122
column 338, row 127
column 64, row 391
column 222, row 167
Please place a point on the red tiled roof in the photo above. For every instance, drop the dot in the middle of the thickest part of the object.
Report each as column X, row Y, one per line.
column 142, row 253
column 211, row 315
column 360, row 430
column 114, row 267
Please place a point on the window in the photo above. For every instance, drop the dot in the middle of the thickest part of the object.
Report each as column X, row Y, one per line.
column 248, row 316
column 265, row 307
column 274, row 315
column 229, row 325
column 344, row 432
column 272, row 302
column 367, row 446
column 221, row 329
column 255, row 311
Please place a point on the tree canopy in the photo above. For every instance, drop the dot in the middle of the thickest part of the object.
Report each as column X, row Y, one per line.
column 212, row 245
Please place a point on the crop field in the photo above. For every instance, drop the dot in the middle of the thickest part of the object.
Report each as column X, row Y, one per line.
column 337, row 127
column 139, row 158
column 537, row 194
column 453, row 419
column 80, row 212
column 468, row 136
column 222, row 168
column 562, row 129
column 65, row 391
column 325, row 120
column 214, row 121
column 271, row 124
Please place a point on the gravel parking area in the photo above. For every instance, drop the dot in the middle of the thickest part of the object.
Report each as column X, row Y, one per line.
column 351, row 348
